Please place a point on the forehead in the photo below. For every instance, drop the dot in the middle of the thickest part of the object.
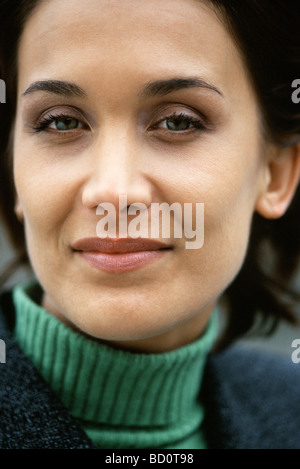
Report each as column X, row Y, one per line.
column 102, row 39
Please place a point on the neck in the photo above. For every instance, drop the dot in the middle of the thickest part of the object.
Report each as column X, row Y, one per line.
column 176, row 337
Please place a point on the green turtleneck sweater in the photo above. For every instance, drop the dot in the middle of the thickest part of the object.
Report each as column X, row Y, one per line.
column 121, row 399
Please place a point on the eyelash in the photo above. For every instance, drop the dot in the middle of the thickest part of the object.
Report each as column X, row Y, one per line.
column 196, row 123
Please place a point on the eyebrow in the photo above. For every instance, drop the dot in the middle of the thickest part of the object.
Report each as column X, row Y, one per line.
column 155, row 88
column 164, row 87
column 62, row 88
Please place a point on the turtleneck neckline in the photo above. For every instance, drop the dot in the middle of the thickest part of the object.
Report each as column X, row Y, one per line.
column 122, row 399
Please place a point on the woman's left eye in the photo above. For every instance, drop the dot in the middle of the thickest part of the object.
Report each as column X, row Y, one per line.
column 179, row 123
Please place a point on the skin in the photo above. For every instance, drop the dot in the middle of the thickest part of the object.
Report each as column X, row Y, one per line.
column 112, row 50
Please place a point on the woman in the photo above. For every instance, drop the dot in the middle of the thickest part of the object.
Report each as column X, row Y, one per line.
column 179, row 103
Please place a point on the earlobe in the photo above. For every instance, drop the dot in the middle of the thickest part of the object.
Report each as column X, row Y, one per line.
column 19, row 211
column 283, row 179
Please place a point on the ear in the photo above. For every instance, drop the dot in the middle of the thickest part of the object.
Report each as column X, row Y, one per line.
column 283, row 174
column 18, row 210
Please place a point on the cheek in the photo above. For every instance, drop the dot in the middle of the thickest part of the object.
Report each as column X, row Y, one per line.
column 229, row 193
column 42, row 181
column 44, row 205
column 45, row 197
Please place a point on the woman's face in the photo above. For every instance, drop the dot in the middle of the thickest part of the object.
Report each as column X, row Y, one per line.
column 145, row 99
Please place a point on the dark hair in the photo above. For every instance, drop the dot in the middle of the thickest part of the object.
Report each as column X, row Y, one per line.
column 13, row 14
column 267, row 34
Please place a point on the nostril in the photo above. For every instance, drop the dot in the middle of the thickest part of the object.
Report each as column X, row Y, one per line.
column 136, row 197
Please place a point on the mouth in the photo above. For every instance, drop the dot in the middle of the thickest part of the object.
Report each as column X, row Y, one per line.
column 120, row 255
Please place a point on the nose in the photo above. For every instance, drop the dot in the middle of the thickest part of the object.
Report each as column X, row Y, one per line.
column 116, row 171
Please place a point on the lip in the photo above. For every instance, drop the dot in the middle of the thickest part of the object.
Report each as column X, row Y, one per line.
column 120, row 255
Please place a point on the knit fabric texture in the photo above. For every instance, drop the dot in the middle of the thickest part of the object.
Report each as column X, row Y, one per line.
column 250, row 399
column 122, row 399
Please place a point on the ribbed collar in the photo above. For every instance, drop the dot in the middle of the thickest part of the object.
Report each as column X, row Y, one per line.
column 115, row 389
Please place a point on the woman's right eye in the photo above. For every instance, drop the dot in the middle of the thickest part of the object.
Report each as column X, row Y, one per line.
column 59, row 123
column 67, row 123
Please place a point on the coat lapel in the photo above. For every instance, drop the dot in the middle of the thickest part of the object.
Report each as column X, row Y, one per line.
column 31, row 416
column 251, row 401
